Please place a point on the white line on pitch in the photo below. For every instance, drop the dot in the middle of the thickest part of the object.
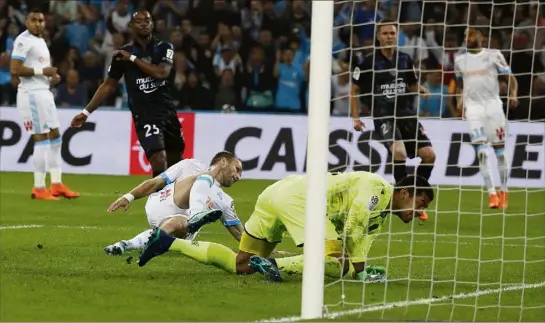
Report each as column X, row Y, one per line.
column 422, row 301
column 33, row 226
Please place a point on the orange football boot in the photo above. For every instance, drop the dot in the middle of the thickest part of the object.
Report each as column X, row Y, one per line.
column 42, row 194
column 504, row 199
column 62, row 190
column 494, row 201
column 422, row 215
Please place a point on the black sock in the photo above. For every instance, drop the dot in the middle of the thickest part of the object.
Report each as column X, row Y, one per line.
column 400, row 170
column 424, row 170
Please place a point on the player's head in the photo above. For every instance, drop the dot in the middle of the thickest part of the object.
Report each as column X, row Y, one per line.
column 387, row 33
column 411, row 194
column 473, row 38
column 141, row 24
column 229, row 168
column 35, row 22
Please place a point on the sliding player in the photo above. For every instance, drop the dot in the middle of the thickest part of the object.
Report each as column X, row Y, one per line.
column 31, row 64
column 358, row 203
column 477, row 86
column 183, row 199
column 388, row 84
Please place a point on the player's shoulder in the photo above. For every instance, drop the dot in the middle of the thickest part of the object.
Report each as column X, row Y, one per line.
column 491, row 52
column 402, row 56
column 162, row 44
column 128, row 47
column 24, row 37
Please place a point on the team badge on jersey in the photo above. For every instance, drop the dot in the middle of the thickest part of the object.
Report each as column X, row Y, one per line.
column 373, row 202
column 356, row 74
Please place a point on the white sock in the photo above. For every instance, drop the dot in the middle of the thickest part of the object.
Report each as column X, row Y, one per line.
column 40, row 162
column 54, row 160
column 200, row 194
column 139, row 241
column 503, row 167
column 485, row 169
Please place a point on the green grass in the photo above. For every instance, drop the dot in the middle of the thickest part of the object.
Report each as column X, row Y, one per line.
column 70, row 278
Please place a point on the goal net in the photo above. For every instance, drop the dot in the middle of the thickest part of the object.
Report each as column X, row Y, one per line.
column 467, row 262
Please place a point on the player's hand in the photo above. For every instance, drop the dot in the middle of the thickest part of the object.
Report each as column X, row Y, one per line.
column 120, row 203
column 122, row 55
column 513, row 102
column 424, row 92
column 358, row 124
column 50, row 71
column 78, row 120
column 55, row 79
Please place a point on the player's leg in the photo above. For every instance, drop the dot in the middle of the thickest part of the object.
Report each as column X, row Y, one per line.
column 424, row 150
column 33, row 121
column 391, row 138
column 496, row 132
column 152, row 140
column 174, row 141
column 200, row 196
column 478, row 137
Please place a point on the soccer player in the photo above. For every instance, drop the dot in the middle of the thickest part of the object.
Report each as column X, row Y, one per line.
column 477, row 72
column 167, row 208
column 358, row 204
column 388, row 84
column 31, row 64
column 146, row 64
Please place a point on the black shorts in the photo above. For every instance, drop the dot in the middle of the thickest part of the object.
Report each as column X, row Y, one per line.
column 408, row 130
column 160, row 135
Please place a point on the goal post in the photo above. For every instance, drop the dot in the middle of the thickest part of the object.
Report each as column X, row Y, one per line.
column 317, row 164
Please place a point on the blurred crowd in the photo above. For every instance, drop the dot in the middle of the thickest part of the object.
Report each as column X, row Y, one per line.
column 254, row 54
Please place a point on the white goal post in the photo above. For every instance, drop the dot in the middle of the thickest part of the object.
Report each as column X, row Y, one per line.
column 467, row 263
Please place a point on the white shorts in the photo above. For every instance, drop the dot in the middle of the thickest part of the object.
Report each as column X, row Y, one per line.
column 487, row 123
column 38, row 111
column 160, row 206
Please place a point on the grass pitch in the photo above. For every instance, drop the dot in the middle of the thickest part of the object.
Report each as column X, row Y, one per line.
column 459, row 266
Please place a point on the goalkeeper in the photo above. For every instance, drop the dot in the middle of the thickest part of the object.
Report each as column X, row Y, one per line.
column 358, row 203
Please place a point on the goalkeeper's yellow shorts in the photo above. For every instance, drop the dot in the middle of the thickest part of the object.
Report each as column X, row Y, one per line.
column 275, row 213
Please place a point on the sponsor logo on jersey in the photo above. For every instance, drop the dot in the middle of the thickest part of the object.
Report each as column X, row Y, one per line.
column 149, row 84
column 397, row 87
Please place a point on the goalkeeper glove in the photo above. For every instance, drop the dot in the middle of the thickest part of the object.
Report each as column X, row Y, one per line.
column 372, row 274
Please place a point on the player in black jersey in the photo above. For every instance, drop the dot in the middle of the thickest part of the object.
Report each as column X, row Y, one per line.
column 146, row 65
column 388, row 84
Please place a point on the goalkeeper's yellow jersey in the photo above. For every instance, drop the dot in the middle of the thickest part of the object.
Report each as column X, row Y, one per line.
column 357, row 205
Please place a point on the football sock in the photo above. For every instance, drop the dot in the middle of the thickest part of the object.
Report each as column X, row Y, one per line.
column 199, row 194
column 400, row 170
column 139, row 241
column 294, row 265
column 40, row 162
column 208, row 253
column 485, row 169
column 502, row 167
column 54, row 160
column 424, row 170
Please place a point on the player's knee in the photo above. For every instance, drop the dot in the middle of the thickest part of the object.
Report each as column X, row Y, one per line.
column 176, row 227
column 398, row 151
column 158, row 161
column 481, row 153
column 427, row 154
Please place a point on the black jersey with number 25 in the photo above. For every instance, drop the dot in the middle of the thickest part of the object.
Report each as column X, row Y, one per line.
column 384, row 84
column 149, row 98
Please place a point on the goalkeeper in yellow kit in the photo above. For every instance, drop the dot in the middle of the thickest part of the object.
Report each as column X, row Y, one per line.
column 358, row 203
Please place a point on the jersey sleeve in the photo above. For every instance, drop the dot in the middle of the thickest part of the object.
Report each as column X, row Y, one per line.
column 362, row 76
column 20, row 49
column 166, row 52
column 229, row 217
column 457, row 71
column 411, row 72
column 501, row 64
column 116, row 69
column 183, row 168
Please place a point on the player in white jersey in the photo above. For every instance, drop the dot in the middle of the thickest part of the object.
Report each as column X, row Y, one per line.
column 189, row 197
column 477, row 72
column 31, row 65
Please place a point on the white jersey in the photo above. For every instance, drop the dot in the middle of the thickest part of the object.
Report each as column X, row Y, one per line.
column 480, row 76
column 160, row 205
column 34, row 53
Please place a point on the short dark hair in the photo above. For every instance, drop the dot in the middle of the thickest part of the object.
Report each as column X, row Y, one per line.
column 416, row 185
column 222, row 154
column 34, row 10
column 385, row 22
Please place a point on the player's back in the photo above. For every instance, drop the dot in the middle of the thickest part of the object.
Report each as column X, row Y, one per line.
column 34, row 53
column 480, row 75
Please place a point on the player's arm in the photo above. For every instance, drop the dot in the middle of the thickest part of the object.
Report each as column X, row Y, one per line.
column 160, row 71
column 505, row 70
column 412, row 80
column 17, row 67
column 144, row 189
column 459, row 88
column 362, row 87
column 231, row 221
